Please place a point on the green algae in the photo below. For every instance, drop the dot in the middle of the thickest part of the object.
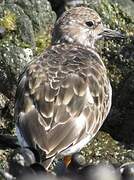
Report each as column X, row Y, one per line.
column 42, row 40
column 8, row 21
column 105, row 149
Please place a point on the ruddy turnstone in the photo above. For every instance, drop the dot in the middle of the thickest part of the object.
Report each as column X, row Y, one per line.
column 64, row 95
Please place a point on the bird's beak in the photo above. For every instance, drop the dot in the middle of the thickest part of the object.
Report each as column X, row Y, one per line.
column 109, row 33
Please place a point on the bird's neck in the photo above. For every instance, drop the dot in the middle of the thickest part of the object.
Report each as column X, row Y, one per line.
column 68, row 40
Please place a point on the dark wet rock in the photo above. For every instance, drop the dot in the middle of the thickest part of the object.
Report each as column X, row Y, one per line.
column 88, row 171
column 126, row 100
column 127, row 171
column 120, row 124
column 58, row 6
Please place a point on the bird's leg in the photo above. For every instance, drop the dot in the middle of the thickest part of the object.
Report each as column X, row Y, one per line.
column 37, row 154
column 67, row 160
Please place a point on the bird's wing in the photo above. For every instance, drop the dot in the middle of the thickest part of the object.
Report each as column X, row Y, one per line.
column 51, row 96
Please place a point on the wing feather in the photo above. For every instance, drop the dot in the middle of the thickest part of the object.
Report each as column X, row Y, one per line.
column 59, row 103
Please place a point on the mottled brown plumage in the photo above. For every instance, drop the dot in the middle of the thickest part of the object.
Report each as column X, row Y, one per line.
column 64, row 96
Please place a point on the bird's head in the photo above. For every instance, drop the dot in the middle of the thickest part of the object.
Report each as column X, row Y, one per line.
column 81, row 25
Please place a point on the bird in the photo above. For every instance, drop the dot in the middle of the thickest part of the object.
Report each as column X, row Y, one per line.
column 64, row 94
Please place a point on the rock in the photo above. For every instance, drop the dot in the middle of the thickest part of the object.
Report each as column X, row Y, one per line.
column 21, row 34
column 104, row 148
column 118, row 57
column 25, row 28
column 27, row 19
column 126, row 100
column 12, row 59
column 60, row 6
column 127, row 171
column 24, row 24
column 3, row 100
column 71, row 3
column 39, row 12
column 126, row 5
column 121, row 124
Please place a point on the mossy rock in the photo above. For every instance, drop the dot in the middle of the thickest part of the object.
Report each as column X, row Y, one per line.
column 60, row 6
column 114, row 52
column 25, row 28
column 24, row 21
column 126, row 5
column 119, row 60
column 24, row 33
column 105, row 149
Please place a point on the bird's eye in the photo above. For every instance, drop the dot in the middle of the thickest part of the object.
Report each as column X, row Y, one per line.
column 90, row 23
